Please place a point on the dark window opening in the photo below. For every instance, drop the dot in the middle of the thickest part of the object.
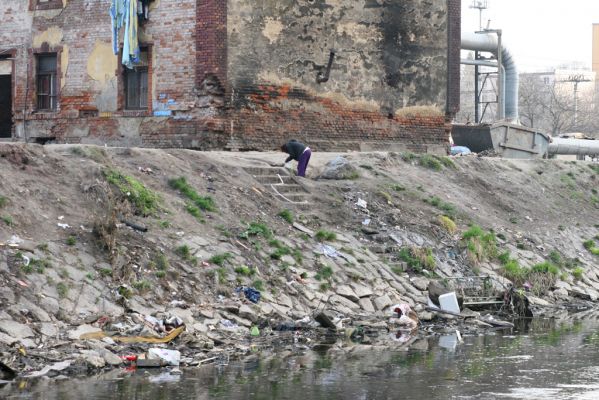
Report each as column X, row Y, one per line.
column 47, row 87
column 136, row 84
column 5, row 106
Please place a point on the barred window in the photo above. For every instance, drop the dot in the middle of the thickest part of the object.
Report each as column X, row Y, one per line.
column 47, row 87
column 136, row 84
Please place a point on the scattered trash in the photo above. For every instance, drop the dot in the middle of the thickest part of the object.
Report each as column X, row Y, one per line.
column 362, row 203
column 229, row 325
column 14, row 240
column 366, row 222
column 250, row 293
column 25, row 260
column 327, row 250
column 460, row 150
column 255, row 331
column 145, row 170
column 60, row 218
column 449, row 302
column 63, row 226
column 170, row 357
column 135, row 339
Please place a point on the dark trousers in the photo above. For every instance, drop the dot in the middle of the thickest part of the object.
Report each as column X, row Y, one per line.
column 303, row 162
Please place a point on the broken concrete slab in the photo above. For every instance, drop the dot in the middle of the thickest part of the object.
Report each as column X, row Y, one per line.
column 75, row 334
column 382, row 302
column 366, row 305
column 16, row 329
column 347, row 292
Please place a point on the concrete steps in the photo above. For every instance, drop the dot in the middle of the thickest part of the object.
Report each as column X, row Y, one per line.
column 281, row 184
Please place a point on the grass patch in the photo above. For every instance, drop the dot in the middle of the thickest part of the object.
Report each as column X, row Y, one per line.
column 577, row 273
column 408, row 156
column 398, row 188
column 546, row 268
column 256, row 229
column 448, row 224
column 105, row 271
column 367, row 167
column 62, row 289
column 160, row 274
column 125, row 292
column 144, row 200
column 324, row 273
column 590, row 246
column 142, row 286
column 221, row 273
column 258, row 285
column 481, row 245
column 195, row 212
column 71, row 240
column 3, row 201
column 164, row 224
column 205, row 203
column 323, row 236
column 447, row 208
column 287, row 215
column 245, row 270
column 7, row 219
column 40, row 265
column 220, row 259
column 386, row 196
column 418, row 258
column 430, row 162
column 184, row 252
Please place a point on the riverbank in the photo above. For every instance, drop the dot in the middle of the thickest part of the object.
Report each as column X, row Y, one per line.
column 120, row 243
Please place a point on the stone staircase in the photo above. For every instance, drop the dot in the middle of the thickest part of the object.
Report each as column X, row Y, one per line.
column 281, row 184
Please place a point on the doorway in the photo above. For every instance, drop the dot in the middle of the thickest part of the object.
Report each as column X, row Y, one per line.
column 5, row 98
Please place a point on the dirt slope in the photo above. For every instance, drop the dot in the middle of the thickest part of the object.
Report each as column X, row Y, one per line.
column 97, row 265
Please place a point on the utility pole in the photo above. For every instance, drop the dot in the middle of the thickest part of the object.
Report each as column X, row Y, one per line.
column 480, row 5
column 576, row 79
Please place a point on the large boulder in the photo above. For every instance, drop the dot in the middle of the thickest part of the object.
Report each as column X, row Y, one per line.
column 339, row 168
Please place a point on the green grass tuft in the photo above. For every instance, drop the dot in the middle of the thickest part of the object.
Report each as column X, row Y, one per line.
column 219, row 259
column 323, row 235
column 287, row 215
column 205, row 203
column 256, row 229
column 145, row 201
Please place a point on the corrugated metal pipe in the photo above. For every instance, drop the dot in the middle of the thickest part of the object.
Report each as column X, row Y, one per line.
column 488, row 42
column 579, row 147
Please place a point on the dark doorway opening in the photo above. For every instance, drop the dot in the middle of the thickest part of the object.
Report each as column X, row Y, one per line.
column 5, row 106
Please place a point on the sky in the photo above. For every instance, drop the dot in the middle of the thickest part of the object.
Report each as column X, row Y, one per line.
column 540, row 34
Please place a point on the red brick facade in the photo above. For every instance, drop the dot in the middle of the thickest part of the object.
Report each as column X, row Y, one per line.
column 192, row 101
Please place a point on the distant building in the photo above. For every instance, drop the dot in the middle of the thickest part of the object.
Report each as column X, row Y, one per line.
column 238, row 74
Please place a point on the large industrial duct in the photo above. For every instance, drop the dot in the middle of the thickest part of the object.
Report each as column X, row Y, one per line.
column 488, row 42
column 577, row 147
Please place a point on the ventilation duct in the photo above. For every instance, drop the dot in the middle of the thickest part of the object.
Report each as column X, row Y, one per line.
column 489, row 43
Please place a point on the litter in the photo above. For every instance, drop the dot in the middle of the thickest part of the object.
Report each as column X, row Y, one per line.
column 59, row 366
column 170, row 357
column 63, row 226
column 255, row 331
column 229, row 325
column 250, row 293
column 327, row 250
column 449, row 302
column 14, row 239
column 135, row 339
column 366, row 222
column 460, row 150
column 362, row 203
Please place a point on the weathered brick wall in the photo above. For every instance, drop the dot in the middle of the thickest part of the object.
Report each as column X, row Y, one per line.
column 391, row 60
column 91, row 77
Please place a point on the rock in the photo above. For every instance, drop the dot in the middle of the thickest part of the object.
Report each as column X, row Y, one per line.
column 420, row 283
column 247, row 312
column 537, row 301
column 339, row 168
column 347, row 292
column 207, row 313
column 425, row 316
column 344, row 302
column 93, row 358
column 50, row 304
column 284, row 300
column 15, row 329
column 361, row 291
column 35, row 310
column 561, row 294
column 382, row 302
column 303, row 229
column 48, row 329
column 366, row 305
column 81, row 330
column 7, row 294
column 266, row 308
column 8, row 340
column 110, row 358
column 325, row 319
column 288, row 259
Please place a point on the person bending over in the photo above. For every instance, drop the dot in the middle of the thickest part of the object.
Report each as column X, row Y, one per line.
column 299, row 152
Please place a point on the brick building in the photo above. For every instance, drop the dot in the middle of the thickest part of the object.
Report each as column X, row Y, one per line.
column 240, row 74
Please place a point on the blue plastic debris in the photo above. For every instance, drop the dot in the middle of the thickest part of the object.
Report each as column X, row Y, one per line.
column 455, row 150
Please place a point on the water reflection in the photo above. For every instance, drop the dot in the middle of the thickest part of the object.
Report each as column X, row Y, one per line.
column 538, row 359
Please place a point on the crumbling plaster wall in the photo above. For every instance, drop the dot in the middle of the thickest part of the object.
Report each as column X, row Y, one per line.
column 389, row 56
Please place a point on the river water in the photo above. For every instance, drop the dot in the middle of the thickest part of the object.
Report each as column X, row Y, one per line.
column 540, row 359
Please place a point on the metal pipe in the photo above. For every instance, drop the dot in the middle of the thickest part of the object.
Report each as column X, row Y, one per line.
column 490, row 43
column 580, row 147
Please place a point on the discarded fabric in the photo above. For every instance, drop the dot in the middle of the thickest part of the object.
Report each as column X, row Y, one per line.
column 250, row 293
column 229, row 325
column 362, row 203
column 459, row 150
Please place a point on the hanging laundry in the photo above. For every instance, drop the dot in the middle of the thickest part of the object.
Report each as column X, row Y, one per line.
column 131, row 42
column 117, row 18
